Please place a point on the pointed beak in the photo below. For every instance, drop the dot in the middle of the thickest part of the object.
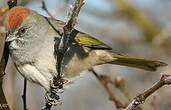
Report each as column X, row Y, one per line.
column 10, row 38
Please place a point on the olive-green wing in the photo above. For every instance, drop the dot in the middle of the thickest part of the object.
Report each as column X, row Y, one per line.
column 80, row 37
column 88, row 41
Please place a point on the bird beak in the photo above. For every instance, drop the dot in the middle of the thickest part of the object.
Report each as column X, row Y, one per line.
column 10, row 35
column 10, row 38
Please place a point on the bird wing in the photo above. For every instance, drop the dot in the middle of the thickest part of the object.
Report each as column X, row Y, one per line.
column 80, row 37
column 89, row 41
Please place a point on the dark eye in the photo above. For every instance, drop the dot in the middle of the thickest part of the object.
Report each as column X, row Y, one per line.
column 22, row 31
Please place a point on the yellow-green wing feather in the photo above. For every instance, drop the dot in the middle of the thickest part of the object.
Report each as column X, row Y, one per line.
column 88, row 41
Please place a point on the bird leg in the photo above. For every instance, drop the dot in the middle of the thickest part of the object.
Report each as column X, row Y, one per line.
column 52, row 99
column 57, row 84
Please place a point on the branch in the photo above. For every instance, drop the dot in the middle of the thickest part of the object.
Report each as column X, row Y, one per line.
column 61, row 47
column 4, row 59
column 68, row 28
column 44, row 7
column 25, row 94
column 165, row 80
column 3, row 63
column 119, row 83
column 104, row 83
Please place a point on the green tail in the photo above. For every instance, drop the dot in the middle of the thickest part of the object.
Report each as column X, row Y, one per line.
column 137, row 62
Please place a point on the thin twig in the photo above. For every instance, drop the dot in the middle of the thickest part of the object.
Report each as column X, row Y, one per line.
column 57, row 12
column 104, row 83
column 61, row 48
column 3, row 64
column 24, row 96
column 64, row 41
column 4, row 60
column 165, row 80
column 44, row 7
column 118, row 82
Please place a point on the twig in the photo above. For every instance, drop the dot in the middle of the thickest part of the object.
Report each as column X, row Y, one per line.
column 165, row 80
column 44, row 7
column 118, row 82
column 64, row 42
column 3, row 64
column 25, row 94
column 104, row 83
column 61, row 48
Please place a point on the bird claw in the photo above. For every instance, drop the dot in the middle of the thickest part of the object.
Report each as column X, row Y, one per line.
column 52, row 99
column 57, row 85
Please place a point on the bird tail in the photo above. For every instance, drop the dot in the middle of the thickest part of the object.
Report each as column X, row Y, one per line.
column 149, row 65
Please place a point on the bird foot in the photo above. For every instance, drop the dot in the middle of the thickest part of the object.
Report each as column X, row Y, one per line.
column 57, row 85
column 52, row 99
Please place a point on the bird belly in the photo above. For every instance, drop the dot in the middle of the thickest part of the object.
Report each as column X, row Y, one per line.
column 32, row 74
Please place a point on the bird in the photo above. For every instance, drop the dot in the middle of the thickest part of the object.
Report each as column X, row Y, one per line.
column 31, row 46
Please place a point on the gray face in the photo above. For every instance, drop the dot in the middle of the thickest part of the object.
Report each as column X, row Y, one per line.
column 20, row 37
column 31, row 31
column 26, row 41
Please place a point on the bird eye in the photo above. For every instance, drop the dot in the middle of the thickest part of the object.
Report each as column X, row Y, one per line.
column 22, row 31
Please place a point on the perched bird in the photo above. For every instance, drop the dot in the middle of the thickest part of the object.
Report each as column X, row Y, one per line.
column 31, row 43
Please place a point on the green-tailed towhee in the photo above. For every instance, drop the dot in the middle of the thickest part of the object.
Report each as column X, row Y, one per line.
column 31, row 43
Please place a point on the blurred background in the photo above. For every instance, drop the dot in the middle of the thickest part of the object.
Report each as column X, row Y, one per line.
column 139, row 28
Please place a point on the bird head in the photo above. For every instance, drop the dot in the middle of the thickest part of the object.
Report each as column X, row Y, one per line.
column 24, row 26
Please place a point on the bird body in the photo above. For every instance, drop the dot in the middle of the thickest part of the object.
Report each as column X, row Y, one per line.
column 31, row 46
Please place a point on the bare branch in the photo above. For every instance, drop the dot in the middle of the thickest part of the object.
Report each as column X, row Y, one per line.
column 44, row 7
column 119, row 82
column 3, row 64
column 165, row 80
column 25, row 94
column 104, row 83
column 4, row 59
column 64, row 42
column 61, row 47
